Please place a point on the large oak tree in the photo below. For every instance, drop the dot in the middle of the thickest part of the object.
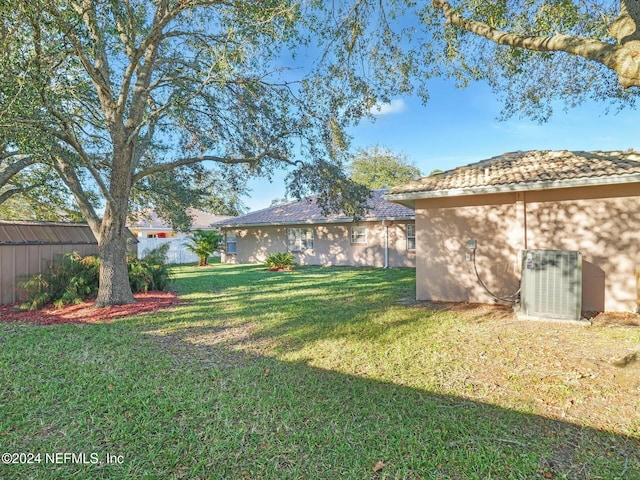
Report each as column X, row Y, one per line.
column 112, row 94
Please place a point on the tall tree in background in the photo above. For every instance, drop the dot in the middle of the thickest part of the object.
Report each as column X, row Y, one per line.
column 118, row 95
column 378, row 167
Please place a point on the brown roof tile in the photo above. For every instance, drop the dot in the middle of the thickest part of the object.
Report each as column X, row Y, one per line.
column 308, row 211
column 526, row 168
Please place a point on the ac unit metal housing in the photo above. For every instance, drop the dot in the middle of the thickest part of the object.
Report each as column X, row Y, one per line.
column 551, row 285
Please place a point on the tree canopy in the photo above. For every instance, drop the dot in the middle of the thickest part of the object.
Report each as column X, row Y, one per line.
column 377, row 167
column 126, row 100
column 533, row 54
column 538, row 51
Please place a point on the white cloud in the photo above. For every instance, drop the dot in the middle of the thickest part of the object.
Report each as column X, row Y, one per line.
column 396, row 105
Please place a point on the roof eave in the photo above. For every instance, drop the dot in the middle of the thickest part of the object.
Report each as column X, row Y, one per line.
column 316, row 222
column 408, row 198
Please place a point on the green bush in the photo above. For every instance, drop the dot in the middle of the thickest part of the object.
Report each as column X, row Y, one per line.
column 282, row 260
column 73, row 278
column 150, row 272
column 70, row 280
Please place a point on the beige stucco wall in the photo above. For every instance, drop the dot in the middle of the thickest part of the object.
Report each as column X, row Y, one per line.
column 331, row 245
column 602, row 222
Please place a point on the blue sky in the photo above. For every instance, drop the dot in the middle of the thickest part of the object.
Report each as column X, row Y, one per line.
column 459, row 126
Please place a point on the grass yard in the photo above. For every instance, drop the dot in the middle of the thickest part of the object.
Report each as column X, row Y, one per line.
column 318, row 373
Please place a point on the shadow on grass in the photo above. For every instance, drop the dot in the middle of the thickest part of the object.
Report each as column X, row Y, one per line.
column 295, row 421
column 308, row 304
column 142, row 388
column 414, row 432
column 177, row 410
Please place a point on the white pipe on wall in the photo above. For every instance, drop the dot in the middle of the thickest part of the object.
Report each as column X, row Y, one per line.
column 386, row 243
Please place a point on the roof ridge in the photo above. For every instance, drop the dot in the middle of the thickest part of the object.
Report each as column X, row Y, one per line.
column 307, row 210
column 526, row 167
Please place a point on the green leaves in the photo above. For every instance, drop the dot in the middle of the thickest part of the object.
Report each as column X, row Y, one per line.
column 337, row 193
column 280, row 261
column 203, row 243
column 378, row 167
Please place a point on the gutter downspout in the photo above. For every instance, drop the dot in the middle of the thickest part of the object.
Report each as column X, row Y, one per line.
column 386, row 243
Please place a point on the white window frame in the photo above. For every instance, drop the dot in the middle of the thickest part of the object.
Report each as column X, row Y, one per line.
column 358, row 235
column 411, row 236
column 230, row 239
column 300, row 239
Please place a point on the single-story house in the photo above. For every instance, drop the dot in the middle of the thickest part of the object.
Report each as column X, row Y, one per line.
column 385, row 236
column 588, row 202
column 149, row 225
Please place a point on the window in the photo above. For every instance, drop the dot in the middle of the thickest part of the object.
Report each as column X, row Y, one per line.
column 231, row 242
column 359, row 235
column 299, row 239
column 411, row 236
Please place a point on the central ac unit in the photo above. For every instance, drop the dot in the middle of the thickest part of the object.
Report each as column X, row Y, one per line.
column 551, row 285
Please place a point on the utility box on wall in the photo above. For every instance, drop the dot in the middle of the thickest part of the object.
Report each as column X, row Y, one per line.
column 551, row 285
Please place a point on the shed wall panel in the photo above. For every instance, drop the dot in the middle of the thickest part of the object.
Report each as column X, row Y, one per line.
column 18, row 262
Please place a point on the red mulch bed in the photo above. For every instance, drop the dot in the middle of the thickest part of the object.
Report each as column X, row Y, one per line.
column 86, row 313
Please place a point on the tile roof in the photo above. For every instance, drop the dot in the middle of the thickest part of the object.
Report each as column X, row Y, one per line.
column 307, row 211
column 200, row 219
column 527, row 170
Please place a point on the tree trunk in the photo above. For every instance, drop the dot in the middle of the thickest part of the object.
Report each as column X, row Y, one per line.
column 112, row 248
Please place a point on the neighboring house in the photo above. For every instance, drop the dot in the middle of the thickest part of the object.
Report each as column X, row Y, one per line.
column 149, row 225
column 385, row 237
column 556, row 200
column 153, row 232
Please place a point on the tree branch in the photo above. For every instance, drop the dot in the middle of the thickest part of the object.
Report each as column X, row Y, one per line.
column 203, row 158
column 71, row 180
column 7, row 194
column 15, row 167
column 99, row 69
column 624, row 60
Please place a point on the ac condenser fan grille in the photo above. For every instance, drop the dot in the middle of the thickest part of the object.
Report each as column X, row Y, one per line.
column 552, row 284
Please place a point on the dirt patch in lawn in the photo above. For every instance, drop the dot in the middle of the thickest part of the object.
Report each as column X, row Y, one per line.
column 588, row 374
column 87, row 313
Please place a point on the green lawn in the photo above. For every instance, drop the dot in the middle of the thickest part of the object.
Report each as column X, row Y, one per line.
column 318, row 373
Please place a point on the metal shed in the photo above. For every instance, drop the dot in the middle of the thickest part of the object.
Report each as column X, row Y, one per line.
column 28, row 248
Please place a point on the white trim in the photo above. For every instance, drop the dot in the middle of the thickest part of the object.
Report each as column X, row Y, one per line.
column 315, row 222
column 365, row 233
column 406, row 234
column 301, row 239
column 513, row 187
column 234, row 242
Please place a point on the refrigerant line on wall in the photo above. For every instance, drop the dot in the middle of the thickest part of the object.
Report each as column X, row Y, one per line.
column 511, row 299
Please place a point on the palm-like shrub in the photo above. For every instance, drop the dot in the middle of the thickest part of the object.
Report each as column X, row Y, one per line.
column 72, row 279
column 150, row 272
column 280, row 261
column 203, row 244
